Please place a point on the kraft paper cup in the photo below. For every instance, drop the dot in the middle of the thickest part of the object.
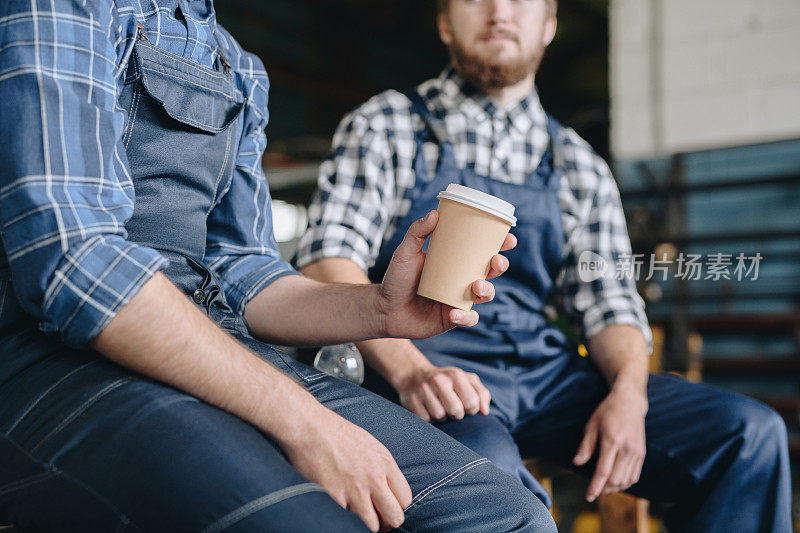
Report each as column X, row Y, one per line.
column 471, row 229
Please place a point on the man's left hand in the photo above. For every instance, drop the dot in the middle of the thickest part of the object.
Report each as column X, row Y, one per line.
column 617, row 428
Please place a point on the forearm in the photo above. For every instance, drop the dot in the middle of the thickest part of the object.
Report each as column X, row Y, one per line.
column 394, row 359
column 620, row 352
column 159, row 333
column 298, row 311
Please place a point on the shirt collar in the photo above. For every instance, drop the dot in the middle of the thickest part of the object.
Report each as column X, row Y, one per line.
column 457, row 93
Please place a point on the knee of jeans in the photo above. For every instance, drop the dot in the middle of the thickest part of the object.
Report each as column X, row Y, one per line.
column 528, row 510
column 758, row 421
column 761, row 428
column 766, row 427
column 486, row 436
column 536, row 516
column 292, row 514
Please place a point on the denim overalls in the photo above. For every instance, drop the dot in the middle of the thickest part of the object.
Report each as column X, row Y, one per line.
column 513, row 323
column 87, row 445
column 175, row 162
column 543, row 392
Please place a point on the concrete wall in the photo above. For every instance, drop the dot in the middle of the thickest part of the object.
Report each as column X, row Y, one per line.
column 694, row 74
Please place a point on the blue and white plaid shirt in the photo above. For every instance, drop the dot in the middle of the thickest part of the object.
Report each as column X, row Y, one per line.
column 65, row 184
column 370, row 169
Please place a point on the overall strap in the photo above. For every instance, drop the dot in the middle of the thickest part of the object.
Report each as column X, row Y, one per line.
column 550, row 164
column 433, row 125
column 434, row 131
column 554, row 129
column 418, row 105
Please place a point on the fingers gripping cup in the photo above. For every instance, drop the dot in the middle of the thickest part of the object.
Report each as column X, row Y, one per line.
column 472, row 227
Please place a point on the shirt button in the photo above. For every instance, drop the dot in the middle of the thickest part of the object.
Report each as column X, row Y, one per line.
column 198, row 296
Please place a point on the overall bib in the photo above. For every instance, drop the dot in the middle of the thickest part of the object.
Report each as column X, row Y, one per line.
column 543, row 392
column 513, row 324
column 189, row 113
column 87, row 445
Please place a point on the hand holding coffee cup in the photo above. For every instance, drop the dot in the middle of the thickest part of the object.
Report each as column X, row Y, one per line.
column 406, row 314
column 472, row 228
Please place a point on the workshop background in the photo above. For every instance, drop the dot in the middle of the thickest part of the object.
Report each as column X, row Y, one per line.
column 696, row 103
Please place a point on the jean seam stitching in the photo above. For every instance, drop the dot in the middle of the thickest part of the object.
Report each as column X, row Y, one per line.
column 221, row 171
column 137, row 96
column 80, row 410
column 120, row 515
column 135, row 103
column 282, row 357
column 261, row 503
column 20, row 484
column 205, row 71
column 445, row 480
column 193, row 82
column 5, row 284
column 54, row 471
column 30, row 408
column 127, row 128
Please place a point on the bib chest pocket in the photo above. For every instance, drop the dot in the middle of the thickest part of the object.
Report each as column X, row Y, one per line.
column 180, row 139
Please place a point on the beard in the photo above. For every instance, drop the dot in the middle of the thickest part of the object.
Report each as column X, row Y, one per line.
column 491, row 74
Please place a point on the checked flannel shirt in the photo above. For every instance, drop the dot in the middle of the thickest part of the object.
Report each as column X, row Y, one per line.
column 65, row 183
column 363, row 186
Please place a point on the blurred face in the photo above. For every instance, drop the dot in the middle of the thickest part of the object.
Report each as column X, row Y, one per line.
column 496, row 43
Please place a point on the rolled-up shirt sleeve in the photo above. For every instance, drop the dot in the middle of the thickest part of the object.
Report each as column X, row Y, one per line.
column 65, row 186
column 595, row 304
column 356, row 188
column 241, row 246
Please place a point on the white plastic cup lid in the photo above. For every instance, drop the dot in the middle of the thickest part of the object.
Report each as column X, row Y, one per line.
column 480, row 200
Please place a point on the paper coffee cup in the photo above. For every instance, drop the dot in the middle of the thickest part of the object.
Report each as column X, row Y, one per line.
column 471, row 229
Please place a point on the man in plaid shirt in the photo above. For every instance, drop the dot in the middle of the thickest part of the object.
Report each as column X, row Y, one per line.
column 515, row 385
column 136, row 238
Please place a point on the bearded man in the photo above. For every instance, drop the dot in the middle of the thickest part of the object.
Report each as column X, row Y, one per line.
column 515, row 386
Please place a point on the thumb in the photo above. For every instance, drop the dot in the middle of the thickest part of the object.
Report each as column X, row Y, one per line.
column 586, row 447
column 415, row 236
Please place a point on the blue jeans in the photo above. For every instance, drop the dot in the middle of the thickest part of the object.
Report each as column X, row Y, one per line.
column 718, row 461
column 87, row 445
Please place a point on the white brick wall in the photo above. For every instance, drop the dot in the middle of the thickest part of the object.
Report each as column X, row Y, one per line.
column 693, row 74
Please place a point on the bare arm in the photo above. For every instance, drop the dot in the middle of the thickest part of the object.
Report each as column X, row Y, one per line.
column 159, row 333
column 162, row 335
column 617, row 425
column 297, row 310
column 431, row 392
column 620, row 351
column 394, row 359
